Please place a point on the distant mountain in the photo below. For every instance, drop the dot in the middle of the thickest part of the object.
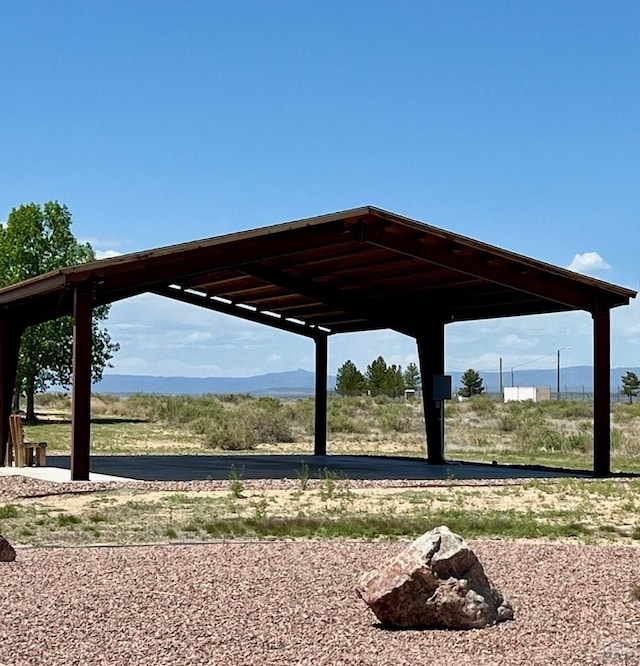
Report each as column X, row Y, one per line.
column 285, row 384
column 298, row 383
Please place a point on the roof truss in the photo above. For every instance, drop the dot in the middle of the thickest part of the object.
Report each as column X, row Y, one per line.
column 356, row 270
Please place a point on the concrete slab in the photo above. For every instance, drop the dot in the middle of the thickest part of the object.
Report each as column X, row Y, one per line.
column 219, row 467
column 56, row 474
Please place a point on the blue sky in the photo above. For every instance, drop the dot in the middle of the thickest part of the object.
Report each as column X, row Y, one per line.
column 515, row 123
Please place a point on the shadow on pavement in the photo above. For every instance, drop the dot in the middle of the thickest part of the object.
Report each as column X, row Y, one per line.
column 219, row 467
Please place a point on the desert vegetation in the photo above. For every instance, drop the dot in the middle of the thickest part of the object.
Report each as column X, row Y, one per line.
column 556, row 433
column 325, row 506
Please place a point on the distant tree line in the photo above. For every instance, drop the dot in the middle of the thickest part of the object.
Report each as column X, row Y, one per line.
column 379, row 379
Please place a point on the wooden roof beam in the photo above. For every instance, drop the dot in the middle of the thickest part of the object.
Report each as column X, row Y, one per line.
column 455, row 256
column 383, row 317
column 242, row 311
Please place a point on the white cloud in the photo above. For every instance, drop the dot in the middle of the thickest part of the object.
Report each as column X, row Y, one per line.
column 107, row 254
column 273, row 358
column 529, row 341
column 198, row 336
column 489, row 361
column 588, row 263
column 518, row 342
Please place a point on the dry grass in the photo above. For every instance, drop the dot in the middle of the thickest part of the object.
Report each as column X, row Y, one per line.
column 329, row 506
column 553, row 433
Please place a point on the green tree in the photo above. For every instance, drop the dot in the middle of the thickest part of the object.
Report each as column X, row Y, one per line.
column 36, row 240
column 383, row 379
column 394, row 385
column 376, row 376
column 349, row 380
column 471, row 384
column 630, row 385
column 411, row 377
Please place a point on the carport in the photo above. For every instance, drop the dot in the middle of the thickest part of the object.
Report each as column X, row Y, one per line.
column 356, row 270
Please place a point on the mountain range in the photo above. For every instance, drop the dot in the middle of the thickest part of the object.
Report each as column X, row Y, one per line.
column 298, row 383
column 292, row 383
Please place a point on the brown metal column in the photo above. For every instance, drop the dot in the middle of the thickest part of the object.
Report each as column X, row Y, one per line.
column 320, row 439
column 601, row 393
column 81, row 385
column 431, row 354
column 10, row 336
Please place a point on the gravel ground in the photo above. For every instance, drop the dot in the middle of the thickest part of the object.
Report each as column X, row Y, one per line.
column 294, row 603
column 15, row 487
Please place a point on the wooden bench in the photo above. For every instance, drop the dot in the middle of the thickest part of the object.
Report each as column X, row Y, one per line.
column 24, row 454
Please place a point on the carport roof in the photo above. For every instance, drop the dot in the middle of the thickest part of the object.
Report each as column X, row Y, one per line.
column 355, row 270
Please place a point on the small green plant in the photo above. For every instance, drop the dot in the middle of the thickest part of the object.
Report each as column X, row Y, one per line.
column 634, row 592
column 328, row 478
column 235, row 481
column 8, row 511
column 171, row 533
column 67, row 519
column 335, row 486
column 303, row 476
column 260, row 508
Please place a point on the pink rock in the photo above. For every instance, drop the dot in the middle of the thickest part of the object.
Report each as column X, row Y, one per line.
column 436, row 581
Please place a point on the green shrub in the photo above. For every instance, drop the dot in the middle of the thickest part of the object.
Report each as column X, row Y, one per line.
column 451, row 409
column 58, row 401
column 581, row 442
column 229, row 434
column 545, row 438
column 624, row 444
column 347, row 414
column 394, row 417
column 201, row 425
column 303, row 414
column 482, row 404
column 140, row 405
column 245, row 425
column 182, row 410
column 234, row 398
column 567, row 409
column 341, row 422
column 624, row 412
column 267, row 420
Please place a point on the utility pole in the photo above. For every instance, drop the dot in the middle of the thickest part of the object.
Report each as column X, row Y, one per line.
column 558, row 376
column 558, row 372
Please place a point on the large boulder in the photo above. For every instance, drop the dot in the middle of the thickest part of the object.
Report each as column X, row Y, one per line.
column 7, row 552
column 436, row 581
